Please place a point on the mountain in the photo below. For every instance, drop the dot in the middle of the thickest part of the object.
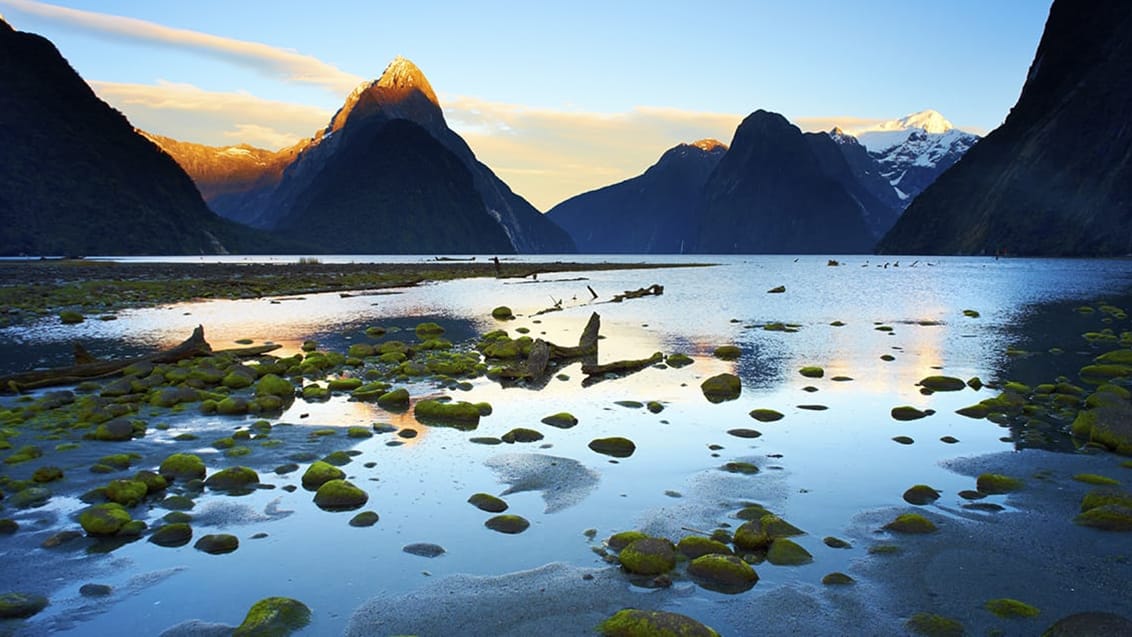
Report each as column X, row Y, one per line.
column 232, row 179
column 1055, row 179
column 651, row 213
column 771, row 195
column 847, row 162
column 268, row 197
column 913, row 151
column 76, row 179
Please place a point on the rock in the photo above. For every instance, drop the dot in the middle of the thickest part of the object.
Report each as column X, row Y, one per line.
column 630, row 622
column 722, row 387
column 562, row 420
column 993, row 483
column 62, row 537
column 911, row 523
column 30, row 497
column 172, row 535
column 20, row 605
column 182, row 466
column 1006, row 607
column 8, row 526
column 95, row 590
column 722, row 573
column 44, row 475
column 274, row 617
column 837, row 579
column 319, row 473
column 104, row 519
column 787, row 552
column 943, row 383
column 487, row 502
column 117, row 430
column 906, row 412
column 153, row 482
column 460, row 415
column 615, row 446
column 765, row 415
column 693, row 546
column 510, row 524
column 396, row 400
column 619, row 541
column 934, row 625
column 1107, row 517
column 678, row 360
column 776, row 527
column 921, row 494
column 364, row 519
column 744, row 433
column 728, row 352
column 740, row 467
column 217, row 544
column 178, row 503
column 233, row 479
column 423, row 549
column 777, row 290
column 126, row 492
column 648, row 556
column 1091, row 624
column 521, row 434
column 502, row 313
column 836, row 543
column 340, row 495
column 812, row 371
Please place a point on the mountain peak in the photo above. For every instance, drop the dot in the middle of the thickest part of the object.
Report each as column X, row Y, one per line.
column 401, row 77
column 401, row 91
column 929, row 120
column 4, row 26
column 709, row 145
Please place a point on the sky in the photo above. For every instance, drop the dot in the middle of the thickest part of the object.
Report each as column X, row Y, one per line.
column 556, row 97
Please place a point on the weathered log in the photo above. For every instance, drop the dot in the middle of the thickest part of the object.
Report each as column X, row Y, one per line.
column 653, row 290
column 542, row 352
column 622, row 367
column 194, row 346
column 587, row 343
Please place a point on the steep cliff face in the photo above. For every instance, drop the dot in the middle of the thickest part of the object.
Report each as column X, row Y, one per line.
column 652, row 213
column 849, row 164
column 1056, row 178
column 770, row 195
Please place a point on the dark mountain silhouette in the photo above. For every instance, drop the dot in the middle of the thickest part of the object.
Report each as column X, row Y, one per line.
column 1056, row 178
column 849, row 164
column 651, row 213
column 76, row 179
column 770, row 195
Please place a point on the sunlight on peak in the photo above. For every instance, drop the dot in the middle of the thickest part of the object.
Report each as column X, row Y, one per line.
column 709, row 144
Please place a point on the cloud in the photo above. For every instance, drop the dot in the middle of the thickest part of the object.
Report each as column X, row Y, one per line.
column 189, row 113
column 263, row 58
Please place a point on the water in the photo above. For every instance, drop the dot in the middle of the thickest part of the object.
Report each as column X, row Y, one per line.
column 819, row 468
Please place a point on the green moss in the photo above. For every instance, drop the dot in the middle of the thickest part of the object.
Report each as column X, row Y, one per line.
column 776, row 527
column 1009, row 608
column 126, row 492
column 344, row 384
column 47, row 474
column 359, row 432
column 751, row 537
column 274, row 617
column 70, row 317
column 722, row 573
column 943, row 383
column 23, row 454
column 487, row 502
column 178, row 503
column 217, row 544
column 182, row 467
column 396, row 400
column 994, row 483
column 1107, row 517
column 104, row 519
column 974, row 411
column 728, row 352
column 233, row 479
column 118, row 460
column 502, row 313
column 315, row 392
column 835, row 542
column 907, row 412
column 319, row 473
column 507, row 523
column 631, row 622
column 765, row 415
column 746, row 468
column 562, row 420
column 913, row 523
column 722, row 387
column 272, row 385
column 837, row 579
column 921, row 494
column 340, row 495
column 1116, row 357
column 934, row 625
column 360, row 350
column 618, row 541
column 678, row 360
column 812, row 371
column 461, row 415
column 693, row 546
column 904, row 440
column 21, row 605
column 364, row 519
column 648, row 556
column 521, row 434
column 787, row 552
column 615, row 446
column 1094, row 479
column 1097, row 374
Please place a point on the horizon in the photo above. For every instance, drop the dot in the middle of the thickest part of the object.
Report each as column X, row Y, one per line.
column 551, row 117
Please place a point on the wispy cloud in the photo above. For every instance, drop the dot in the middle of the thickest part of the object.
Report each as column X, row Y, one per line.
column 189, row 113
column 274, row 61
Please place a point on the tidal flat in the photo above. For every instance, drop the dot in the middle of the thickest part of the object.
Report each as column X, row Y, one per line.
column 771, row 445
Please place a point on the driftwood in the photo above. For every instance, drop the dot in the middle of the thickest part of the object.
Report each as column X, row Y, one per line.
column 652, row 290
column 542, row 352
column 87, row 367
column 622, row 367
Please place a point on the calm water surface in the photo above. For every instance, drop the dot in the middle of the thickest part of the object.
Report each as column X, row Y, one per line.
column 819, row 468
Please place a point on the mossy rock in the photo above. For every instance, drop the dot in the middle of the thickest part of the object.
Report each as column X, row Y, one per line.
column 508, row 523
column 836, row 543
column 994, row 483
column 907, row 412
column 360, row 350
column 118, row 430
column 502, row 313
column 921, row 494
column 104, row 519
column 932, row 625
column 912, row 523
column 274, row 617
column 233, row 479
column 943, row 383
column 722, row 573
column 1095, row 499
column 746, row 434
column 1096, row 480
column 776, row 527
column 648, row 556
column 787, row 552
column 722, row 387
column 812, row 371
column 364, row 519
column 338, row 458
column 654, row 406
column 313, row 392
column 217, row 544
column 750, row 536
column 172, row 535
column 272, row 385
column 630, row 622
column 976, row 411
column 183, row 467
column 1009, row 608
column 126, row 492
column 8, row 526
column 1090, row 624
column 1107, row 517
column 618, row 541
column 487, row 502
column 340, row 495
column 752, row 512
column 837, row 579
column 678, row 360
column 745, row 468
column 615, row 446
column 70, row 317
column 397, row 399
column 21, row 605
column 562, row 420
column 319, row 473
column 178, row 503
column 344, row 384
column 372, row 391
column 765, row 415
column 30, row 497
column 238, row 377
column 728, row 352
column 693, row 546
column 43, row 475
column 521, row 434
column 427, row 330
column 460, row 415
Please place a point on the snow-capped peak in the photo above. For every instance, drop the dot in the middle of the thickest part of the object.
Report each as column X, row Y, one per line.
column 896, row 132
column 929, row 121
column 709, row 145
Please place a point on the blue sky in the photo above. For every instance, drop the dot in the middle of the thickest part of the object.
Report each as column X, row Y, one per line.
column 556, row 97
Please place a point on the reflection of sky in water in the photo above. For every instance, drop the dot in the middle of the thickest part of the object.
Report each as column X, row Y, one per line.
column 834, row 463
